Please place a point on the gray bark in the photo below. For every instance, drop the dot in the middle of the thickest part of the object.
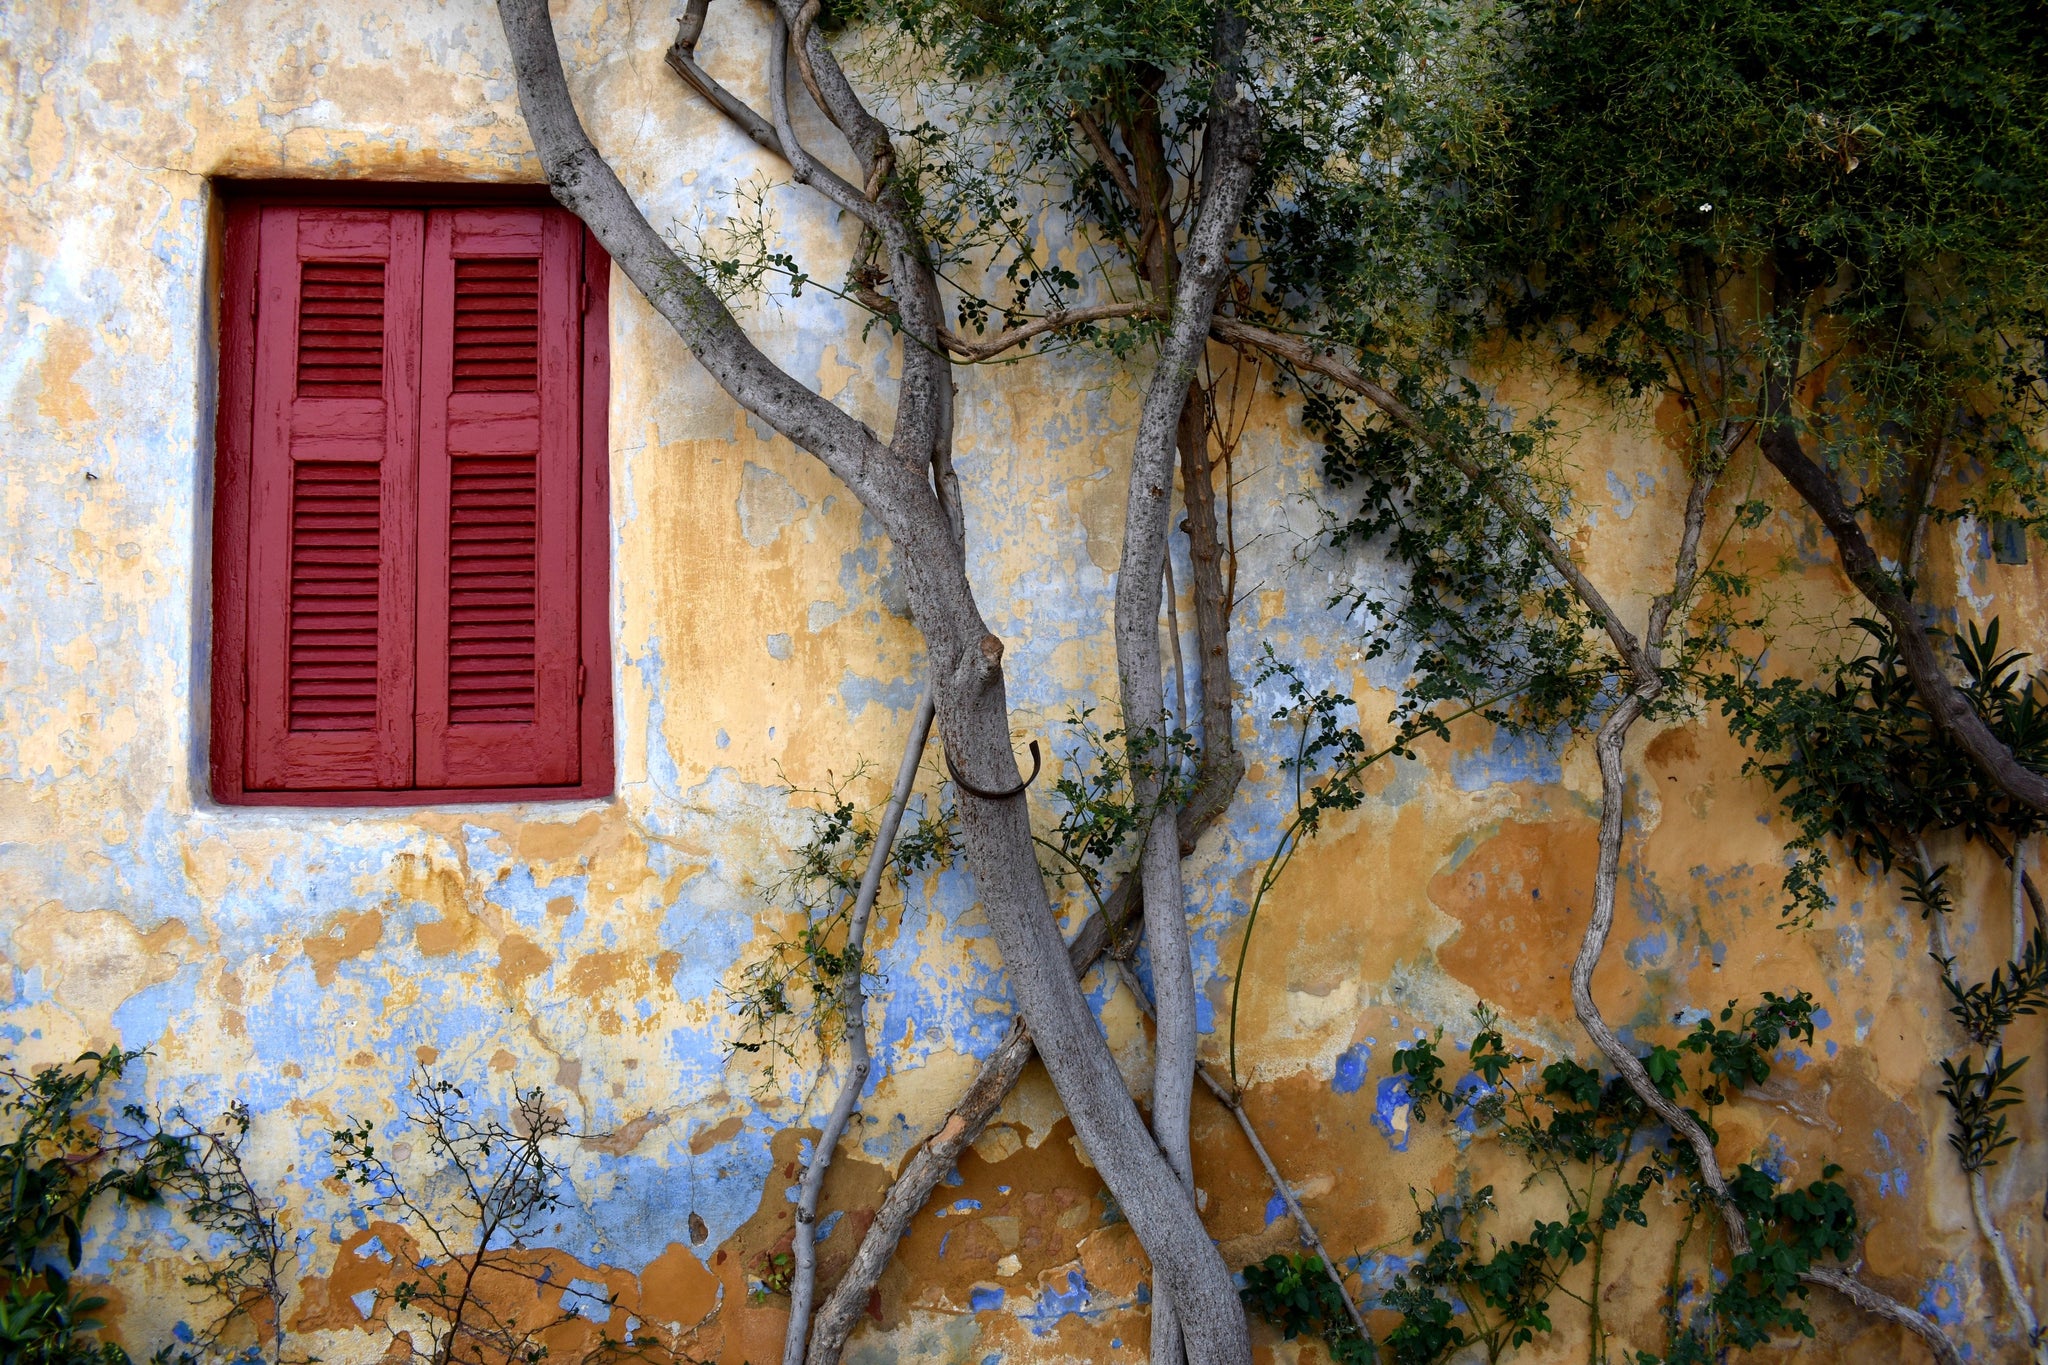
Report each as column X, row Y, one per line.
column 1230, row 148
column 965, row 659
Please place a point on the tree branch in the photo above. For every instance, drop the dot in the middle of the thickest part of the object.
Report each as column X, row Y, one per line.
column 853, row 1006
column 892, row 482
column 979, row 349
column 1608, row 748
column 682, row 59
column 805, row 168
column 1232, row 141
column 1229, row 1099
column 1816, row 486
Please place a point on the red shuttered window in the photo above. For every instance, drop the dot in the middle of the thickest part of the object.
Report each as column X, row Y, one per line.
column 410, row 520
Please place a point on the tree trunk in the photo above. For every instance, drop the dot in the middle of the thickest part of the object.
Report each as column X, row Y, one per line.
column 891, row 482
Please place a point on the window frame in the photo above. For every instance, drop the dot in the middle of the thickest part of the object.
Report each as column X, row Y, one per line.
column 244, row 202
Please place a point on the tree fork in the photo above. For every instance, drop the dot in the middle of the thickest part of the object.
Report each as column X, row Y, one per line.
column 1216, row 784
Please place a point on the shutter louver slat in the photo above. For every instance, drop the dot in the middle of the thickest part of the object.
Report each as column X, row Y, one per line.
column 492, row 531
column 497, row 325
column 341, row 329
column 331, row 668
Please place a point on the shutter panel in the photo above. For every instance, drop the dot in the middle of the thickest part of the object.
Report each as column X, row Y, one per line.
column 500, row 459
column 333, row 498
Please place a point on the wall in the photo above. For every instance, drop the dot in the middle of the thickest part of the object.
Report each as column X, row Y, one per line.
column 308, row 960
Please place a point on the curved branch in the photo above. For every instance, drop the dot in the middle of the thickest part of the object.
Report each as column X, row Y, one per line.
column 682, row 59
column 1816, row 486
column 807, row 169
column 583, row 183
column 800, row 35
column 1944, row 701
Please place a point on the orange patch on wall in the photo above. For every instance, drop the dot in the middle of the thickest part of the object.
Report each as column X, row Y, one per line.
column 353, row 935
column 1521, row 898
column 676, row 1288
column 63, row 399
column 519, row 959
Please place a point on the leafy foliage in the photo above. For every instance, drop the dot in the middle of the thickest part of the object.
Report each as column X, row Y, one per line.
column 1858, row 763
column 1295, row 1294
column 65, row 1148
column 1589, row 1139
column 797, row 985
column 61, row 1158
column 1101, row 806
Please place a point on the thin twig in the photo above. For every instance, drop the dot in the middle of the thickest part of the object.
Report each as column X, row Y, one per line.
column 979, row 349
column 853, row 1006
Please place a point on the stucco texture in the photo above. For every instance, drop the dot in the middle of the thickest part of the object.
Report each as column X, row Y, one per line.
column 306, row 961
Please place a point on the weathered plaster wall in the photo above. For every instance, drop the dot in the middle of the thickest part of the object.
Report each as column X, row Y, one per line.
column 305, row 961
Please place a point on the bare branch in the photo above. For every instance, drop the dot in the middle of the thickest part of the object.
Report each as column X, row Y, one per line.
column 853, row 1006
column 1230, row 1100
column 682, row 59
column 1232, row 142
column 806, row 169
column 800, row 34
column 1111, row 162
column 992, row 1084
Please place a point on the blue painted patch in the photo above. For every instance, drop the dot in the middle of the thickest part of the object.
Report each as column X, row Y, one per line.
column 1352, row 1065
column 985, row 1298
column 1890, row 1180
column 857, row 692
column 1276, row 1208
column 1774, row 1161
column 1054, row 1304
column 1511, row 758
column 587, row 1300
column 1943, row 1298
column 1647, row 951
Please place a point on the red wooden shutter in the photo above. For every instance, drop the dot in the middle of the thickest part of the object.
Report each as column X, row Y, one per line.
column 333, row 499
column 499, row 461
